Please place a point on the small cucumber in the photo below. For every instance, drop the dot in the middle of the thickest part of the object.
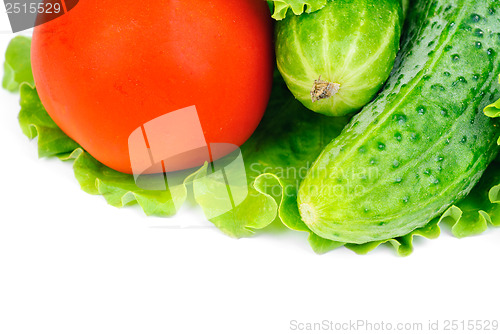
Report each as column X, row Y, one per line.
column 335, row 60
column 424, row 142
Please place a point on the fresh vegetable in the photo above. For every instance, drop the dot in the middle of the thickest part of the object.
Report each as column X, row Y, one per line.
column 280, row 7
column 276, row 156
column 17, row 67
column 493, row 110
column 297, row 7
column 336, row 59
column 424, row 142
column 106, row 68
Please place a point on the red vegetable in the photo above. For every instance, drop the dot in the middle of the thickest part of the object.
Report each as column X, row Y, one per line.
column 107, row 67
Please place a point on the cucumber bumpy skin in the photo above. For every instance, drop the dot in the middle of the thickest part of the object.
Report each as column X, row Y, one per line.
column 424, row 142
column 335, row 60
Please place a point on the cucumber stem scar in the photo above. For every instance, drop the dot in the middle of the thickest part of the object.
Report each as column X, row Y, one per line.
column 323, row 90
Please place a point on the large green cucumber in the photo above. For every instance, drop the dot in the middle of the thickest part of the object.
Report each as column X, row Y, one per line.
column 335, row 60
column 424, row 142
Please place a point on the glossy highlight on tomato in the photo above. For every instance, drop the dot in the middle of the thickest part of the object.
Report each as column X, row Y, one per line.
column 106, row 68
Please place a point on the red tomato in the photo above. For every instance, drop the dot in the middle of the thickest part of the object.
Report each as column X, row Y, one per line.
column 108, row 67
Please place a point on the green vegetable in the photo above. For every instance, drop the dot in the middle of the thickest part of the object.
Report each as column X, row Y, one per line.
column 423, row 143
column 277, row 157
column 297, row 7
column 336, row 59
column 493, row 110
column 17, row 67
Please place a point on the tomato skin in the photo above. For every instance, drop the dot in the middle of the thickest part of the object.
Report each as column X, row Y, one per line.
column 107, row 67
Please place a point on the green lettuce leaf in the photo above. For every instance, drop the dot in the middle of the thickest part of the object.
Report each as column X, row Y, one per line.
column 472, row 215
column 276, row 158
column 493, row 110
column 279, row 8
column 35, row 121
column 297, row 6
column 17, row 65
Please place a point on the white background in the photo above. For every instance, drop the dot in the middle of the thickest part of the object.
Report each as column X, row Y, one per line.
column 70, row 263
